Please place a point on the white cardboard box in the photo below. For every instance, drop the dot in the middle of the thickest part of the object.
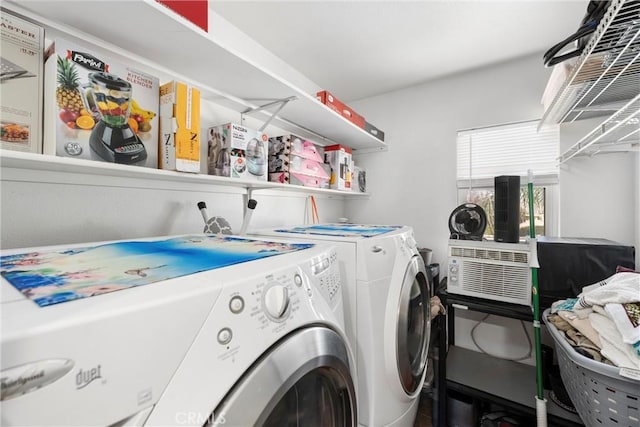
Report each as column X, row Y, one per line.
column 340, row 159
column 21, row 83
column 93, row 119
column 237, row 152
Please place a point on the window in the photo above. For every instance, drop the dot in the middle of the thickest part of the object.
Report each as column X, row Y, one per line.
column 513, row 149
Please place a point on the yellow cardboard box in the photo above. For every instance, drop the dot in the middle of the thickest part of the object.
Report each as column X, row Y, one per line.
column 179, row 145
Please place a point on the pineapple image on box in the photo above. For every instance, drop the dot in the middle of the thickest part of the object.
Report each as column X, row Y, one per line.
column 68, row 94
column 71, row 104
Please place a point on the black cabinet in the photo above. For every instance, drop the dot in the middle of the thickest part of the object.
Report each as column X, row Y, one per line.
column 483, row 378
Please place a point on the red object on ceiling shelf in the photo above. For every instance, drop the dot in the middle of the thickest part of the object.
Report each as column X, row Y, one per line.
column 196, row 11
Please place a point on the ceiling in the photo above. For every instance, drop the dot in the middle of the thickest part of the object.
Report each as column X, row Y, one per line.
column 359, row 49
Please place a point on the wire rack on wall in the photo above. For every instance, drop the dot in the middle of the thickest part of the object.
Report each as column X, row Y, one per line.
column 604, row 81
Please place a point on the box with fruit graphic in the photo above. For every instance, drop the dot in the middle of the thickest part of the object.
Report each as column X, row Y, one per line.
column 98, row 109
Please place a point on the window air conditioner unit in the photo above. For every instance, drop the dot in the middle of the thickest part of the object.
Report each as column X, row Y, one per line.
column 490, row 270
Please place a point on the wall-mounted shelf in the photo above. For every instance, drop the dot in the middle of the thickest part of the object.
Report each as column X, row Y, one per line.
column 604, row 81
column 230, row 68
column 620, row 132
column 32, row 167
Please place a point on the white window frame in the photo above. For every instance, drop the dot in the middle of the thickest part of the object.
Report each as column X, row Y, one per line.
column 548, row 181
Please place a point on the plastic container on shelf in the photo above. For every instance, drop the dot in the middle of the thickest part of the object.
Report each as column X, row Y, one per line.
column 599, row 393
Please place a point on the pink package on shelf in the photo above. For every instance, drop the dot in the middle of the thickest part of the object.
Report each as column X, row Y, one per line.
column 307, row 180
column 306, row 150
column 308, row 167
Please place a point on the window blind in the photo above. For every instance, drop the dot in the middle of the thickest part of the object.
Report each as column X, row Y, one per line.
column 512, row 149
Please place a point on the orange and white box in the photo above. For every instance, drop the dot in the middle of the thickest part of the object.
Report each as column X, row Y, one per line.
column 341, row 108
column 340, row 159
column 179, row 145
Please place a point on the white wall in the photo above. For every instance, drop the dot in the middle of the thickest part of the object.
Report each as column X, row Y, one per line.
column 63, row 211
column 598, row 195
column 46, row 208
column 414, row 182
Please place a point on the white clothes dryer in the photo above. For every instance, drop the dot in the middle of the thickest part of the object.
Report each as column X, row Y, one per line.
column 386, row 293
column 182, row 331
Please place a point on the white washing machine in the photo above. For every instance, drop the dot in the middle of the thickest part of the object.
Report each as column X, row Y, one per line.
column 180, row 331
column 387, row 313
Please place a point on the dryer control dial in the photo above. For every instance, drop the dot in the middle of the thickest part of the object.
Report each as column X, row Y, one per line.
column 276, row 302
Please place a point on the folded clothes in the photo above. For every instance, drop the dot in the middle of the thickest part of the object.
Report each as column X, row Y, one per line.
column 580, row 343
column 621, row 354
column 583, row 326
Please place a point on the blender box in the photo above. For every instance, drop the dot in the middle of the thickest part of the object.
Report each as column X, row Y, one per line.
column 21, row 77
column 237, row 151
column 179, row 127
column 340, row 159
column 99, row 109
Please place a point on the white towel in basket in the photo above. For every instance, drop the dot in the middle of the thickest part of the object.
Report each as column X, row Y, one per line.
column 627, row 319
column 613, row 348
column 619, row 288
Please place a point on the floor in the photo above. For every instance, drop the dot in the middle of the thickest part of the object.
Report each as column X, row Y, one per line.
column 424, row 419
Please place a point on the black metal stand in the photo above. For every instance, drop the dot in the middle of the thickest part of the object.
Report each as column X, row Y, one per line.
column 483, row 377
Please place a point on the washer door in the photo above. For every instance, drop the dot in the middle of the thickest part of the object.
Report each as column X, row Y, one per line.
column 414, row 321
column 303, row 381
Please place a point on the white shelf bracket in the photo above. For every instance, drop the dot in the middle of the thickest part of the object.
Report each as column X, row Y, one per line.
column 281, row 104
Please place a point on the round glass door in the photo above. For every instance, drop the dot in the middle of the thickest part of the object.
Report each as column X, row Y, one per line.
column 304, row 380
column 414, row 321
column 318, row 399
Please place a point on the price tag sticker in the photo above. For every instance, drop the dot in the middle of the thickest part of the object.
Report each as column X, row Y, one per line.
column 634, row 374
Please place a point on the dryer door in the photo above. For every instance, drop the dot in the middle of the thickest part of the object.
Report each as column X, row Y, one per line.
column 303, row 381
column 414, row 322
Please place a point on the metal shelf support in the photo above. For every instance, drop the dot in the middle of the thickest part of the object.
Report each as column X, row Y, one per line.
column 281, row 104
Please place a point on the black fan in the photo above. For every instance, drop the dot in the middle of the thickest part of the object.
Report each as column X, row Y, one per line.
column 467, row 222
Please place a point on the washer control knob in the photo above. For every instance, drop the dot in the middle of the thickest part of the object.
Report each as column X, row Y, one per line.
column 224, row 336
column 276, row 301
column 236, row 305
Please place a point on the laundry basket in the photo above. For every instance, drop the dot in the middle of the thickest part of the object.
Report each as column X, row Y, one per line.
column 600, row 395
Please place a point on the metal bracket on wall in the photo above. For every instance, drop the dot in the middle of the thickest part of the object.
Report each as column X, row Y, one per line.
column 280, row 102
